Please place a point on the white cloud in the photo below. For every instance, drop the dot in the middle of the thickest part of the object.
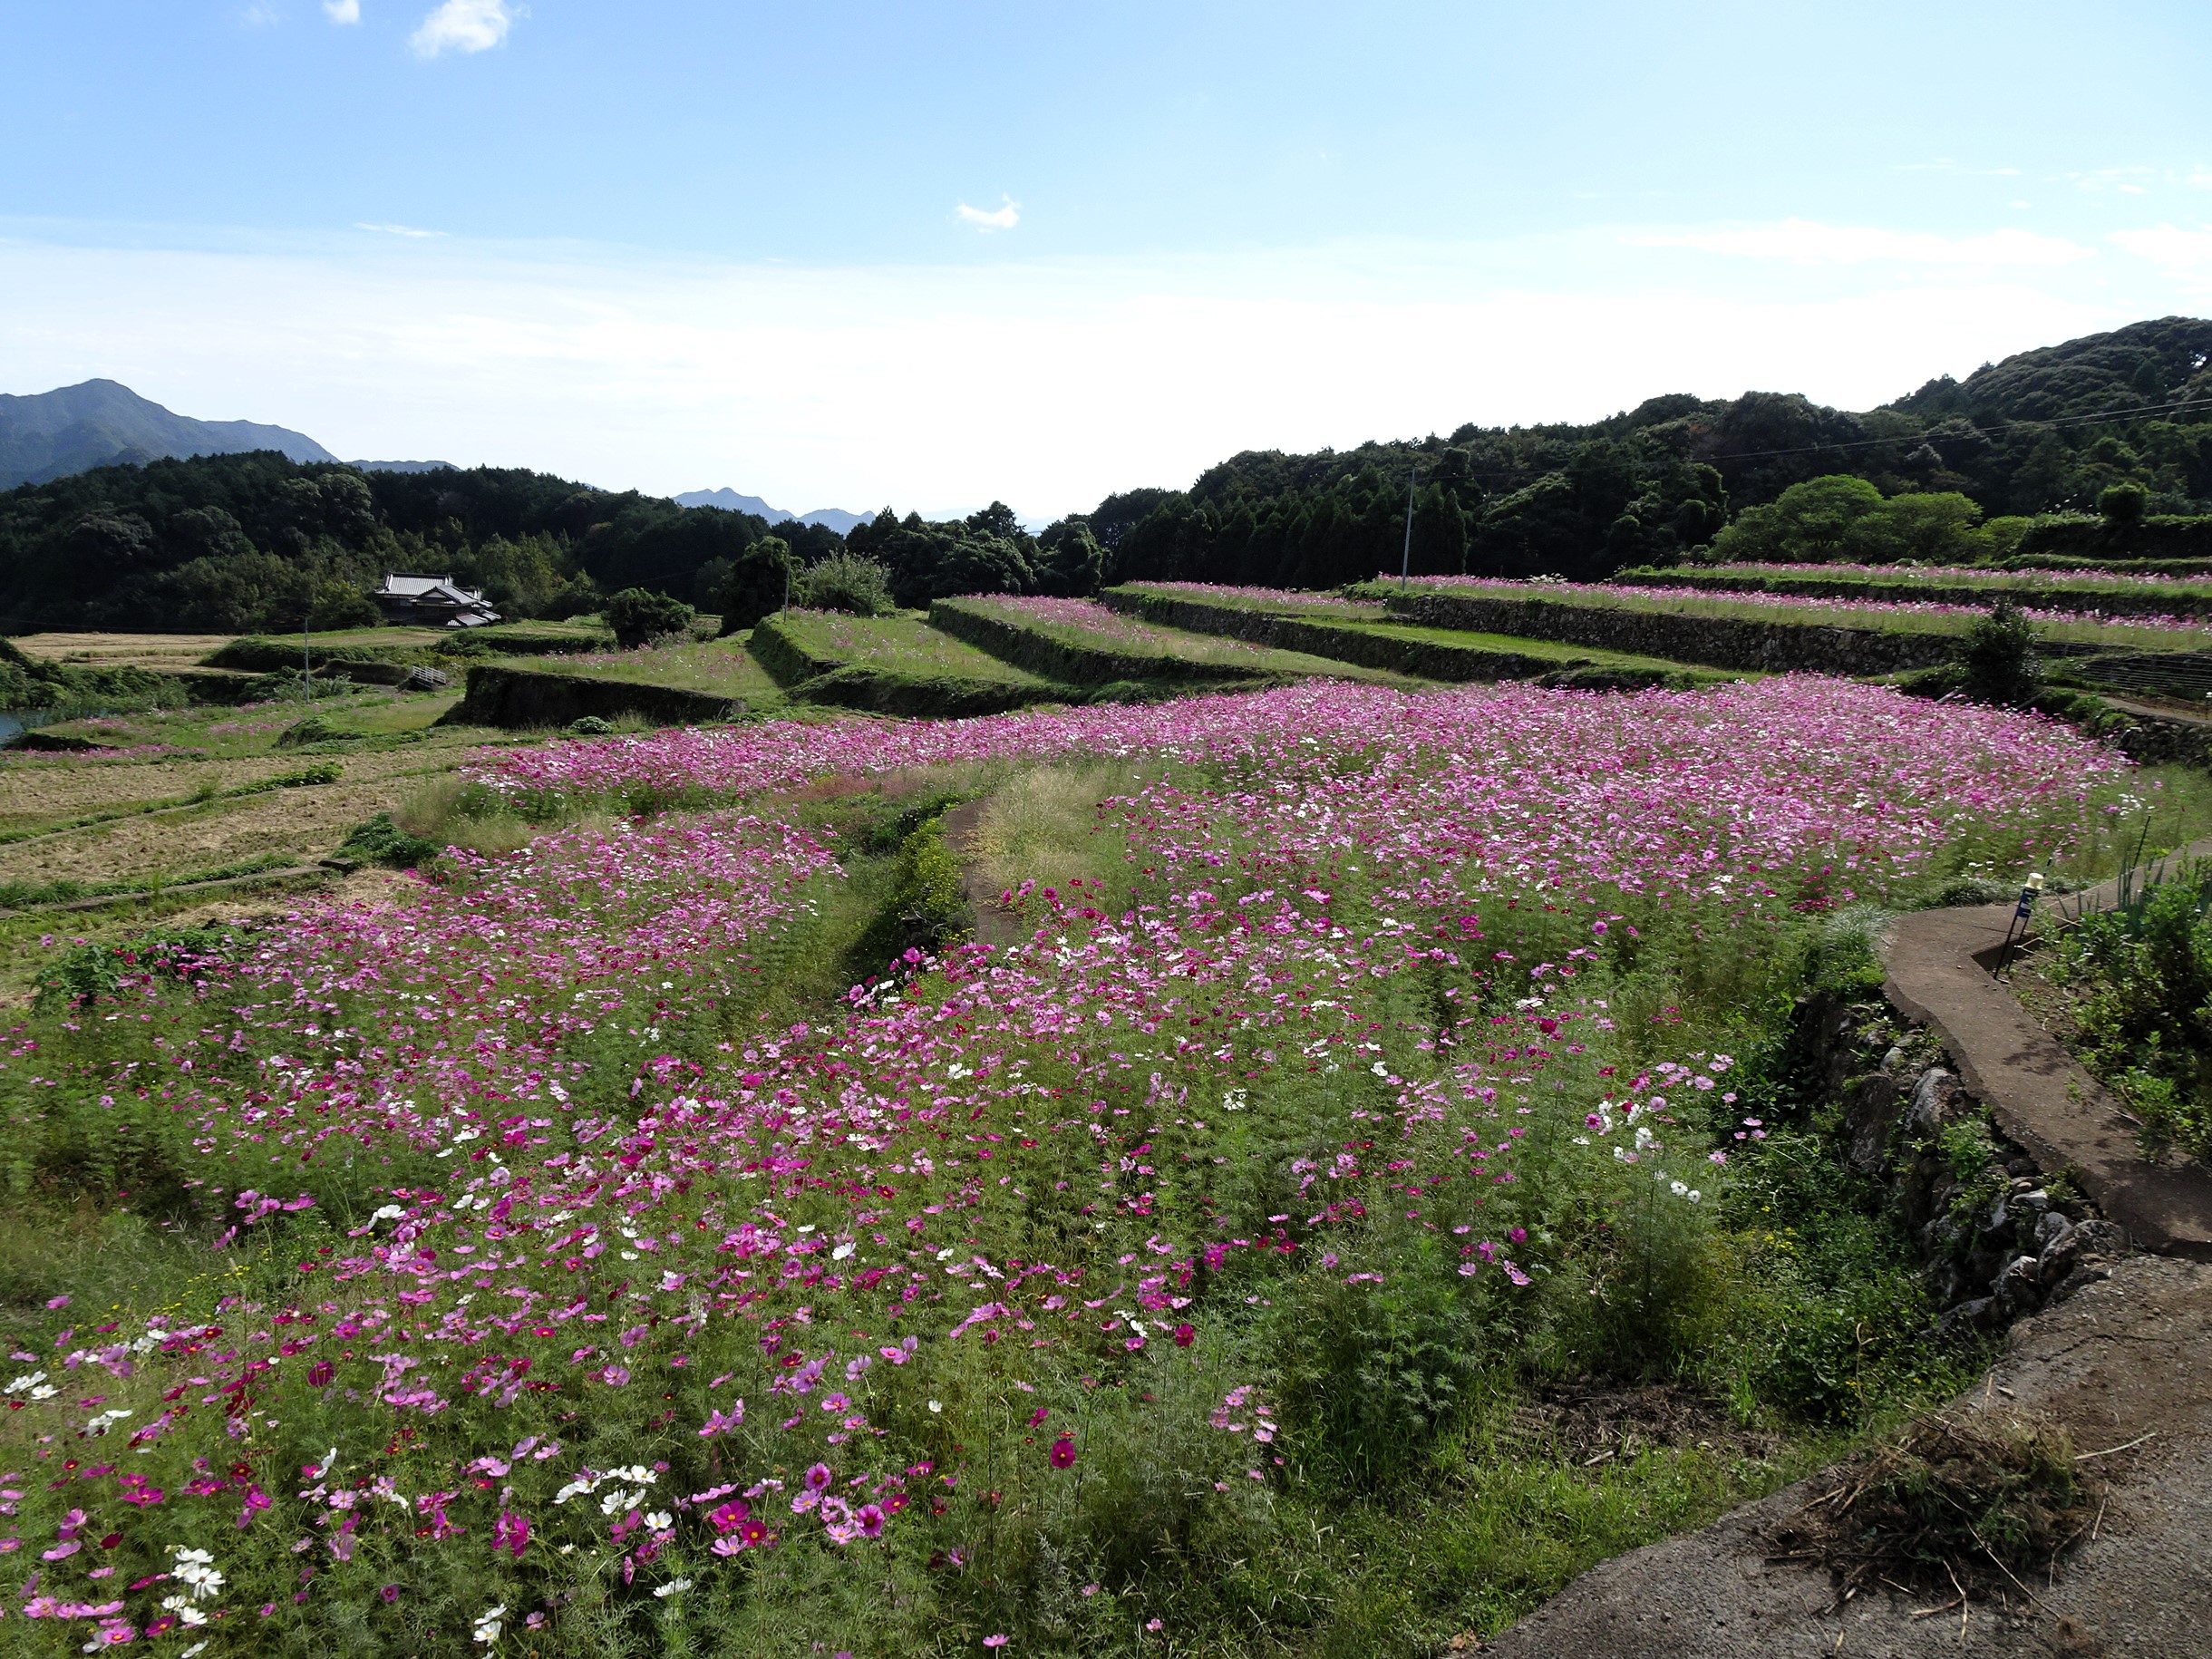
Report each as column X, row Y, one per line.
column 2177, row 250
column 464, row 25
column 396, row 230
column 1804, row 242
column 853, row 387
column 261, row 16
column 341, row 11
column 1004, row 217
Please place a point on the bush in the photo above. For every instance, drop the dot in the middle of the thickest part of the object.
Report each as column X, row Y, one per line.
column 89, row 970
column 2124, row 503
column 638, row 616
column 1999, row 655
column 2142, row 974
column 381, row 842
column 760, row 583
column 846, row 582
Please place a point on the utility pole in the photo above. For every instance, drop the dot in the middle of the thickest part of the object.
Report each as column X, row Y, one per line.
column 1405, row 564
column 307, row 664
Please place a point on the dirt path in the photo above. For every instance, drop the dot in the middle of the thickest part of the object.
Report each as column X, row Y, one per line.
column 1938, row 963
column 2120, row 1361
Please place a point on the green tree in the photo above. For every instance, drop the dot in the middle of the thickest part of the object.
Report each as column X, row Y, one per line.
column 759, row 582
column 1809, row 522
column 1999, row 655
column 1072, row 562
column 1933, row 526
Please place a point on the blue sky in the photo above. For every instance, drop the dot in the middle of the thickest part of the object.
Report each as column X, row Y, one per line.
column 846, row 254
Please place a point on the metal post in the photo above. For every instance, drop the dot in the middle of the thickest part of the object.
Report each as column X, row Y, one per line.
column 1405, row 564
column 306, row 663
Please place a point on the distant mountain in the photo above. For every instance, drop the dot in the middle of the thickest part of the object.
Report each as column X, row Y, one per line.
column 53, row 435
column 830, row 518
column 403, row 466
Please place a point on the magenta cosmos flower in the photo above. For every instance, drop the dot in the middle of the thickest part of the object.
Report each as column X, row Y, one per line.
column 1063, row 1451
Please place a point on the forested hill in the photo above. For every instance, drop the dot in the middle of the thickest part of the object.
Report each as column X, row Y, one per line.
column 99, row 422
column 1661, row 478
column 233, row 543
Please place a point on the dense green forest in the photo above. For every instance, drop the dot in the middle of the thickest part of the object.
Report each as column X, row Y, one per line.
column 2122, row 420
column 1651, row 484
column 234, row 543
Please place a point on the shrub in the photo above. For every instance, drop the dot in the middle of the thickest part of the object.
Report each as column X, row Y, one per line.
column 2142, row 973
column 639, row 616
column 846, row 582
column 89, row 970
column 2123, row 504
column 381, row 842
column 1998, row 652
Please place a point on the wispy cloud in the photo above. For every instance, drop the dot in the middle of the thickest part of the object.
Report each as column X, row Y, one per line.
column 874, row 395
column 464, row 25
column 1945, row 164
column 2177, row 250
column 1804, row 242
column 1004, row 217
column 2121, row 179
column 396, row 230
column 341, row 11
column 262, row 15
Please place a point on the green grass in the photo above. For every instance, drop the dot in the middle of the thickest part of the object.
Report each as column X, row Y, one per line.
column 903, row 644
column 2114, row 635
column 722, row 668
column 1106, row 646
column 2188, row 593
column 216, row 733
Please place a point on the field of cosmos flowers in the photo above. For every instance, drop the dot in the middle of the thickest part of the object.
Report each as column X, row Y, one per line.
column 525, row 1273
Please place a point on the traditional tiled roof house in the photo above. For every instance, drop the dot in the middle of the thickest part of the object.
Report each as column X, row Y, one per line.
column 432, row 601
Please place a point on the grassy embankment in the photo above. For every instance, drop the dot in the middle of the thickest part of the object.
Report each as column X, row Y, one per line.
column 1361, row 632
column 1874, row 616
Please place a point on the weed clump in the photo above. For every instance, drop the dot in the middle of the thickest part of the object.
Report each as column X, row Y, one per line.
column 381, row 842
column 1972, row 1504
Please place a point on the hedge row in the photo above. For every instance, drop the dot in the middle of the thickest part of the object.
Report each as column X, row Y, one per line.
column 2112, row 600
column 2159, row 537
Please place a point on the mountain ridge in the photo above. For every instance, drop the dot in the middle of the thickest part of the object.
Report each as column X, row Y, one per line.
column 729, row 500
column 46, row 435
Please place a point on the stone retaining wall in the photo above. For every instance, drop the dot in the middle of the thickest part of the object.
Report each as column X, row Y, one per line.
column 1772, row 646
column 518, row 699
column 2149, row 602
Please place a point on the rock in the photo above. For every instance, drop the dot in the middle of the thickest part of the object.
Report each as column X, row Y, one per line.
column 2050, row 1228
column 1893, row 1061
column 1934, row 1099
column 2090, row 1273
column 2104, row 1240
column 1870, row 1107
column 1979, row 1314
column 2076, row 1244
column 2019, row 1288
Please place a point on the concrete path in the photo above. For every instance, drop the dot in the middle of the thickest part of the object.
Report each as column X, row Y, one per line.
column 2129, row 1358
column 1939, row 964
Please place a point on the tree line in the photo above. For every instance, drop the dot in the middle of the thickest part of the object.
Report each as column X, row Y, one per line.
column 245, row 543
